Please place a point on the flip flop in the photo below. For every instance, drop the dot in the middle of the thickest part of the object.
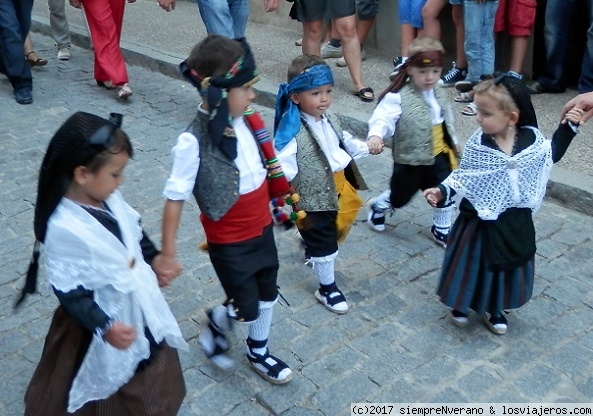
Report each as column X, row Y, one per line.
column 35, row 62
column 470, row 110
column 366, row 94
column 298, row 42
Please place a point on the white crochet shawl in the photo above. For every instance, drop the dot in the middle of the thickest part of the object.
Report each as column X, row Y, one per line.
column 494, row 181
column 82, row 252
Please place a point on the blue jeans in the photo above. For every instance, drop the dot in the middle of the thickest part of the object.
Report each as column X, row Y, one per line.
column 479, row 37
column 586, row 79
column 225, row 17
column 556, row 30
column 15, row 22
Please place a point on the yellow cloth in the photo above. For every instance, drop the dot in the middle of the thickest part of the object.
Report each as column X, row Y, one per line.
column 440, row 146
column 349, row 203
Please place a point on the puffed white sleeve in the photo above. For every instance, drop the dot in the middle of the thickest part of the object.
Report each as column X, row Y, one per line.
column 356, row 148
column 384, row 118
column 186, row 161
column 288, row 161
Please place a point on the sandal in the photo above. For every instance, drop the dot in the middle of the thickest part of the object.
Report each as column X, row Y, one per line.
column 215, row 344
column 497, row 324
column 35, row 62
column 470, row 110
column 270, row 368
column 298, row 42
column 366, row 94
column 124, row 91
column 463, row 97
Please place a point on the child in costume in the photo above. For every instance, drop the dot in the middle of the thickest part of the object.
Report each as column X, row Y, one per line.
column 218, row 160
column 318, row 160
column 420, row 120
column 113, row 339
column 489, row 262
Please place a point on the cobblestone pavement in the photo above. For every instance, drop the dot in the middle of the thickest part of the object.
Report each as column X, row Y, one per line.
column 396, row 344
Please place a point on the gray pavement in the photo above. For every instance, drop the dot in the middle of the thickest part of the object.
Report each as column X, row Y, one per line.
column 396, row 344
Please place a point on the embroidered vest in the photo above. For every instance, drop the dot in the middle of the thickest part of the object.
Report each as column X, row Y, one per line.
column 217, row 185
column 412, row 141
column 314, row 181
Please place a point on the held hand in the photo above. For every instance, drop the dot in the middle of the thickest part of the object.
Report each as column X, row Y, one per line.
column 582, row 101
column 76, row 3
column 121, row 336
column 375, row 144
column 270, row 5
column 433, row 196
column 166, row 269
column 575, row 115
column 167, row 5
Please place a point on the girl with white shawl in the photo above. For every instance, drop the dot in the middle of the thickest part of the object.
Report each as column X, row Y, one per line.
column 112, row 345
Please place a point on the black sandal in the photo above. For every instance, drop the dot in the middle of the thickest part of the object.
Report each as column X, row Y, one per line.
column 35, row 62
column 366, row 94
column 215, row 344
column 270, row 368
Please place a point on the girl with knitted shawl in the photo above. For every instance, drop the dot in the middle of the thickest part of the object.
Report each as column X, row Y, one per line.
column 501, row 181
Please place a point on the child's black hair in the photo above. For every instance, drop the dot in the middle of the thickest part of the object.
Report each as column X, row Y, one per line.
column 301, row 63
column 214, row 55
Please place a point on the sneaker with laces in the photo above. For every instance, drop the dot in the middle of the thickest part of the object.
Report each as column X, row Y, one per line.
column 397, row 64
column 496, row 323
column 215, row 344
column 269, row 367
column 342, row 62
column 439, row 237
column 459, row 318
column 333, row 299
column 376, row 218
column 330, row 51
column 454, row 75
column 64, row 53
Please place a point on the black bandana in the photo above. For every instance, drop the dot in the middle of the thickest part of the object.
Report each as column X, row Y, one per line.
column 242, row 73
column 520, row 95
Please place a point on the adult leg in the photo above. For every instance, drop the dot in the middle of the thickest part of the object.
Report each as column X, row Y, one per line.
column 105, row 26
column 457, row 16
column 15, row 22
column 312, row 35
column 30, row 55
column 473, row 19
column 239, row 10
column 58, row 23
column 586, row 79
column 430, row 17
column 217, row 17
column 346, row 27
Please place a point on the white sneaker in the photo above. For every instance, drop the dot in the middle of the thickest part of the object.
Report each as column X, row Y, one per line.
column 64, row 53
column 342, row 62
column 329, row 51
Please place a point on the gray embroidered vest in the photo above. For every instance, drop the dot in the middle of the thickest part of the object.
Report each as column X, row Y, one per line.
column 217, row 185
column 314, row 181
column 412, row 141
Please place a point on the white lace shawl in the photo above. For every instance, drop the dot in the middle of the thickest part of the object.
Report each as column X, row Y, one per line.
column 494, row 181
column 82, row 252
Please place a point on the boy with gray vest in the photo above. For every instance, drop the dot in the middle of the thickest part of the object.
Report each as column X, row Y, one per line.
column 318, row 159
column 420, row 120
column 218, row 160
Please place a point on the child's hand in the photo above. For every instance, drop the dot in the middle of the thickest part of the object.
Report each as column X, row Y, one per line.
column 120, row 335
column 574, row 115
column 375, row 144
column 433, row 196
column 166, row 269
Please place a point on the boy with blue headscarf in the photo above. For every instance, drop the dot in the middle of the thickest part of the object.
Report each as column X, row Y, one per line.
column 318, row 160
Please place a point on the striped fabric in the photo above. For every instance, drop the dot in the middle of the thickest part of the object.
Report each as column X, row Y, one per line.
column 466, row 283
column 157, row 388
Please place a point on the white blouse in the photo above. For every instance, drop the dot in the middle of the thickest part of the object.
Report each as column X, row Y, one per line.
column 330, row 145
column 186, row 162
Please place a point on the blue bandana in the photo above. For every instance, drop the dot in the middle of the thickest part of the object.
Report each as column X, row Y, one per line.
column 287, row 120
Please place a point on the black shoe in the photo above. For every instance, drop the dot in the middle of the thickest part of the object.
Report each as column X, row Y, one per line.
column 23, row 96
column 536, row 88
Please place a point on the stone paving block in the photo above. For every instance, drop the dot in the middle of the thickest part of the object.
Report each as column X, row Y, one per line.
column 381, row 307
column 284, row 397
column 577, row 320
column 313, row 345
column 448, row 395
column 426, row 341
column 572, row 359
column 514, row 358
column 569, row 291
column 224, row 395
column 401, row 390
column 383, row 367
column 335, row 397
column 550, row 249
column 302, row 411
column 540, row 381
column 475, row 341
column 250, row 408
column 332, row 365
column 382, row 338
column 478, row 381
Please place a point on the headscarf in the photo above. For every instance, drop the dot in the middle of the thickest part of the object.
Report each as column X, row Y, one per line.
column 287, row 119
column 71, row 146
column 520, row 95
column 242, row 73
column 422, row 59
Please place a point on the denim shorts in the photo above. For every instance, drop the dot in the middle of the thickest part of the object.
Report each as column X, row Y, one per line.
column 410, row 12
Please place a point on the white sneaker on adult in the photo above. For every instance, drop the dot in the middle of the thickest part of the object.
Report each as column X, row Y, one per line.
column 330, row 51
column 64, row 53
column 342, row 62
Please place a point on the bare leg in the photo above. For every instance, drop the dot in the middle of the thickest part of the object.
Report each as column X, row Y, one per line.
column 430, row 17
column 408, row 35
column 518, row 52
column 457, row 16
column 312, row 34
column 346, row 28
column 363, row 27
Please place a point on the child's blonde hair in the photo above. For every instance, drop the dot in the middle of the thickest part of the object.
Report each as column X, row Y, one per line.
column 425, row 44
column 498, row 93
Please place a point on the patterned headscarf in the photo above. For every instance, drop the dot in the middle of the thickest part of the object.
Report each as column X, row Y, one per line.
column 287, row 119
column 215, row 88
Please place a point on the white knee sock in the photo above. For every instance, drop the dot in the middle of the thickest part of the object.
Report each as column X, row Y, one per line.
column 324, row 268
column 441, row 218
column 259, row 330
